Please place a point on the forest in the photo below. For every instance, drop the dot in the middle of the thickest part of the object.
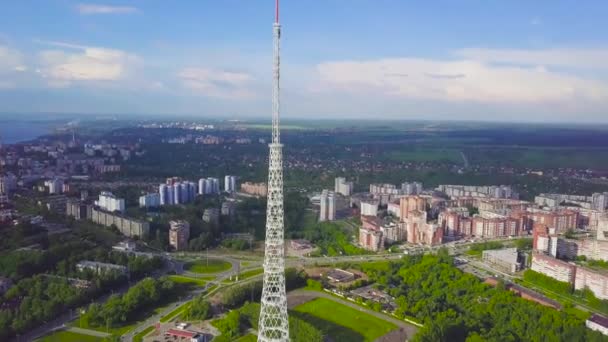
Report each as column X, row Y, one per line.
column 456, row 306
column 119, row 309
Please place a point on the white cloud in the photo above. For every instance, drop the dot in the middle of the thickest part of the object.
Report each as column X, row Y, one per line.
column 11, row 60
column 105, row 9
column 572, row 58
column 476, row 79
column 84, row 63
column 217, row 82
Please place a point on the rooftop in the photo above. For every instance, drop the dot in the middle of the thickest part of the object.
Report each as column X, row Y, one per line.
column 601, row 320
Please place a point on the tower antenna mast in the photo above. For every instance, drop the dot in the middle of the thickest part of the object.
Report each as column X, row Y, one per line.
column 274, row 321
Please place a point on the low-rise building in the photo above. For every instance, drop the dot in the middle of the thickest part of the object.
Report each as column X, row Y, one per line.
column 127, row 226
column 100, row 267
column 598, row 323
column 256, row 189
column 300, row 244
column 507, row 260
column 340, row 276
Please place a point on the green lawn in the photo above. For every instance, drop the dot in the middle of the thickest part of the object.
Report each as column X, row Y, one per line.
column 341, row 322
column 187, row 280
column 140, row 336
column 251, row 273
column 68, row 336
column 118, row 331
column 247, row 338
column 212, row 266
column 166, row 318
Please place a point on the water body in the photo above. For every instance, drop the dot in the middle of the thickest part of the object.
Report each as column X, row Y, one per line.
column 18, row 131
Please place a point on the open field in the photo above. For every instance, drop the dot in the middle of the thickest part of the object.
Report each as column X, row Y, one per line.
column 247, row 338
column 204, row 267
column 68, row 336
column 342, row 323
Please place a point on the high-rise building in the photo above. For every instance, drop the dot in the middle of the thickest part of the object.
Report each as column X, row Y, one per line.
column 192, row 190
column 274, row 320
column 369, row 208
column 151, row 200
column 413, row 188
column 228, row 208
column 177, row 193
column 179, row 234
column 55, row 186
column 201, row 186
column 230, row 184
column 165, row 198
column 8, row 182
column 184, row 193
column 411, row 203
column 599, row 201
column 109, row 202
column 343, row 187
column 328, row 206
column 211, row 215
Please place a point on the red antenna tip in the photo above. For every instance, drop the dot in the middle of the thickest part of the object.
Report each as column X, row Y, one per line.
column 276, row 15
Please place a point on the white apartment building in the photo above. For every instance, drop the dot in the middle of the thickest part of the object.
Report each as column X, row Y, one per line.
column 343, row 187
column 109, row 202
column 328, row 206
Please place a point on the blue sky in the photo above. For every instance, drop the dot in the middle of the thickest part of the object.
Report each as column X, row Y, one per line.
column 491, row 60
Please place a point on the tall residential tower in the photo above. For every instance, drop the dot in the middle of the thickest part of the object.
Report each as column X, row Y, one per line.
column 274, row 322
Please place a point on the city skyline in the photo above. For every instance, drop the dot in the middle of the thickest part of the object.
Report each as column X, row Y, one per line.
column 507, row 62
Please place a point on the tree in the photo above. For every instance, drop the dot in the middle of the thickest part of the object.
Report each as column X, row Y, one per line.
column 199, row 309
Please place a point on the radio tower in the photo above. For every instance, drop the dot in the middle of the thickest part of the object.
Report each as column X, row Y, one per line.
column 274, row 322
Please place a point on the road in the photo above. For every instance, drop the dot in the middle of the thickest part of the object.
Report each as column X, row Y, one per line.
column 254, row 261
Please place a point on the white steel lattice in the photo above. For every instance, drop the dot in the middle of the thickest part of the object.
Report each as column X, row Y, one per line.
column 274, row 322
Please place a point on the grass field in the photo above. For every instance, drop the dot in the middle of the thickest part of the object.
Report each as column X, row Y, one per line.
column 68, row 336
column 251, row 273
column 114, row 330
column 140, row 336
column 203, row 267
column 187, row 280
column 341, row 322
column 247, row 338
column 178, row 311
